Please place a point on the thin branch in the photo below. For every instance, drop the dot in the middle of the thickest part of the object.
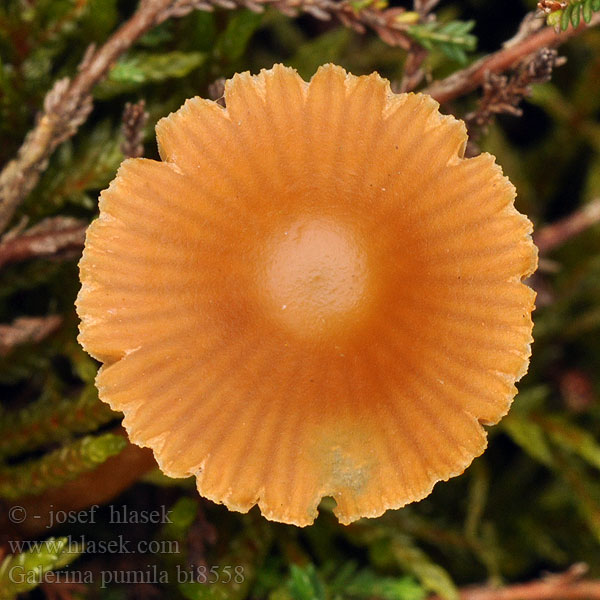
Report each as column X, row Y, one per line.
column 565, row 586
column 216, row 91
column 66, row 107
column 69, row 102
column 51, row 237
column 383, row 22
column 504, row 93
column 424, row 7
column 472, row 77
column 413, row 72
column 135, row 118
column 551, row 236
column 27, row 330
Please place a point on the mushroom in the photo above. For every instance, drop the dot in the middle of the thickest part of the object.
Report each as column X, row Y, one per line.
column 313, row 294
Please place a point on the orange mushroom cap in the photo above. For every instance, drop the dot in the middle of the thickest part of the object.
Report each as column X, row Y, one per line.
column 314, row 294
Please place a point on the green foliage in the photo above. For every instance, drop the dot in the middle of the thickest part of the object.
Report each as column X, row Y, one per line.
column 77, row 171
column 181, row 517
column 575, row 12
column 367, row 584
column 141, row 68
column 50, row 420
column 348, row 583
column 453, row 38
column 305, row 583
column 400, row 550
column 23, row 572
column 571, row 438
column 530, row 437
column 557, row 444
column 234, row 40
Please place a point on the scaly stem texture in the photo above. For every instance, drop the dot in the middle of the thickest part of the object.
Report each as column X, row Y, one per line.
column 47, row 421
column 62, row 465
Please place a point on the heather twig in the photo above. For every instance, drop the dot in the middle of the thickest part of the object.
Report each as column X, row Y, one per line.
column 565, row 586
column 413, row 72
column 551, row 236
column 424, row 7
column 419, row 49
column 55, row 468
column 563, row 13
column 49, row 420
column 66, row 107
column 504, row 93
column 413, row 68
column 69, row 103
column 52, row 237
column 27, row 330
column 385, row 23
column 135, row 118
column 467, row 80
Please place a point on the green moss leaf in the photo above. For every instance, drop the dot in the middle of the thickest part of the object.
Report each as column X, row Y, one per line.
column 141, row 68
column 22, row 572
column 530, row 437
column 453, row 39
column 241, row 27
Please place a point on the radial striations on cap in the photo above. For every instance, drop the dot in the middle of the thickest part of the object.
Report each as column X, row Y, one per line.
column 313, row 294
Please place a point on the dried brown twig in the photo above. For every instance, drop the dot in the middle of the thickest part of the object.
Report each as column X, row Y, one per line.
column 27, row 330
column 564, row 586
column 551, row 236
column 216, row 91
column 50, row 238
column 504, row 93
column 514, row 51
column 66, row 107
column 424, row 7
column 383, row 22
column 413, row 71
column 69, row 102
column 135, row 118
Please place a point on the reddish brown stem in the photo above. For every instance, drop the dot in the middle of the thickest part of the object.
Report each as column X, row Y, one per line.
column 551, row 236
column 51, row 237
column 135, row 118
column 27, row 330
column 566, row 586
column 67, row 108
column 472, row 77
column 69, row 103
